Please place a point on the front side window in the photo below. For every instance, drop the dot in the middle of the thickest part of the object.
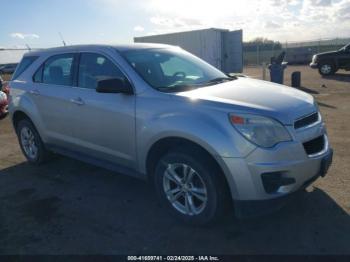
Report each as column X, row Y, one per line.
column 172, row 69
column 95, row 67
column 57, row 70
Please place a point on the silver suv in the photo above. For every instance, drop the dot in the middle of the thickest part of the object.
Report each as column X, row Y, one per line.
column 205, row 139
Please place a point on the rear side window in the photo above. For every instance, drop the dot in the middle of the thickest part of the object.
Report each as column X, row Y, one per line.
column 57, row 70
column 23, row 65
column 95, row 67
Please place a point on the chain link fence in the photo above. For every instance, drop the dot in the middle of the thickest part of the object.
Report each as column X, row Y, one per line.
column 296, row 52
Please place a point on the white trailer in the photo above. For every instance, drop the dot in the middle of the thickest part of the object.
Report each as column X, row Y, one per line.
column 219, row 47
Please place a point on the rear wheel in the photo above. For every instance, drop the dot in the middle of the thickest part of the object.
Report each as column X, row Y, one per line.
column 31, row 143
column 191, row 187
column 326, row 69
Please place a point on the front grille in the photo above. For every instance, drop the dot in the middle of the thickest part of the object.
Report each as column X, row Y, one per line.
column 305, row 121
column 314, row 146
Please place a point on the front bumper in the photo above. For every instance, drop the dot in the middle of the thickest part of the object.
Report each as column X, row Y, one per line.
column 314, row 65
column 265, row 179
column 253, row 208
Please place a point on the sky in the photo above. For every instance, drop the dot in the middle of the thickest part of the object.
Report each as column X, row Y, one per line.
column 37, row 23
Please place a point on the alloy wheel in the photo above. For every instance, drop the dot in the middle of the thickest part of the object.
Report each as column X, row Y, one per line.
column 28, row 143
column 185, row 189
column 326, row 69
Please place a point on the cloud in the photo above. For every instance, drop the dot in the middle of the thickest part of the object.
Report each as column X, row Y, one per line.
column 284, row 20
column 343, row 11
column 321, row 2
column 23, row 36
column 139, row 28
column 174, row 22
column 285, row 2
column 272, row 25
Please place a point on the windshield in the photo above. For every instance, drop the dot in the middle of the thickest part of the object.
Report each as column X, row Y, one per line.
column 173, row 69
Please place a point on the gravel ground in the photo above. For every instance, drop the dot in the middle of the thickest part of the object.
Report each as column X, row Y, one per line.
column 68, row 207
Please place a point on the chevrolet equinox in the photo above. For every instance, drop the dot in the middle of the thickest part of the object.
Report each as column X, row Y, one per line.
column 203, row 138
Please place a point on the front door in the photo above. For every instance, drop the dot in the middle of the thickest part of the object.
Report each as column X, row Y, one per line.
column 103, row 124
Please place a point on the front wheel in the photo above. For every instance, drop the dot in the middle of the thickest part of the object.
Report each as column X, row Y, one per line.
column 326, row 69
column 192, row 188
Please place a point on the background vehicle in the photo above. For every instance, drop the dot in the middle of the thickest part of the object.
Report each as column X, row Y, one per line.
column 330, row 62
column 160, row 113
column 4, row 93
column 8, row 68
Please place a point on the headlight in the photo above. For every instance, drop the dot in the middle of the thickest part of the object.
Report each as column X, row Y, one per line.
column 262, row 131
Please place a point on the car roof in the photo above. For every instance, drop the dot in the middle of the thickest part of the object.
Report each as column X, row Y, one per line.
column 121, row 48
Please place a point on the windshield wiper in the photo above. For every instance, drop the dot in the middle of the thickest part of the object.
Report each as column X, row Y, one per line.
column 221, row 79
column 177, row 88
column 187, row 87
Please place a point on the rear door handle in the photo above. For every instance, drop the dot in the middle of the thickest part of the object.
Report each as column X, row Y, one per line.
column 34, row 92
column 78, row 101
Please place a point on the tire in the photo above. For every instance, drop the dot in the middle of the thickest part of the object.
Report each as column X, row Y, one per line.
column 205, row 195
column 326, row 69
column 30, row 142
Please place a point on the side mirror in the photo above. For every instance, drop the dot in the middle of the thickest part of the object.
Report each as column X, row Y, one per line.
column 114, row 85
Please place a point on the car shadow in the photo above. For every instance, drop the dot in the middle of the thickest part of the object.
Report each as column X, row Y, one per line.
column 69, row 207
column 326, row 105
column 314, row 92
column 308, row 90
column 339, row 77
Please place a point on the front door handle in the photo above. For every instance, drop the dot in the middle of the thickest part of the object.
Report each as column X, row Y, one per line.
column 78, row 101
column 34, row 92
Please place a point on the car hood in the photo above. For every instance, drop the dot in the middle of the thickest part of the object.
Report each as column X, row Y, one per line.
column 283, row 103
column 331, row 53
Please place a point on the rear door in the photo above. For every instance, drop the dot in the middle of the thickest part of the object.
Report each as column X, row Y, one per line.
column 103, row 124
column 51, row 91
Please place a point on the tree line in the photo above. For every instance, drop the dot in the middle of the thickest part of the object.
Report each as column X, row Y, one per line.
column 262, row 44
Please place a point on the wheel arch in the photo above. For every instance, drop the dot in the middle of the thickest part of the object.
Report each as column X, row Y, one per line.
column 19, row 115
column 329, row 60
column 166, row 144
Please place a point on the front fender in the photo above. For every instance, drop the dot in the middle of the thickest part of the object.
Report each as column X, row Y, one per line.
column 200, row 129
column 210, row 130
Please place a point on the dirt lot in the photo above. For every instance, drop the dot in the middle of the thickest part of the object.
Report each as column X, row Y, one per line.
column 68, row 207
